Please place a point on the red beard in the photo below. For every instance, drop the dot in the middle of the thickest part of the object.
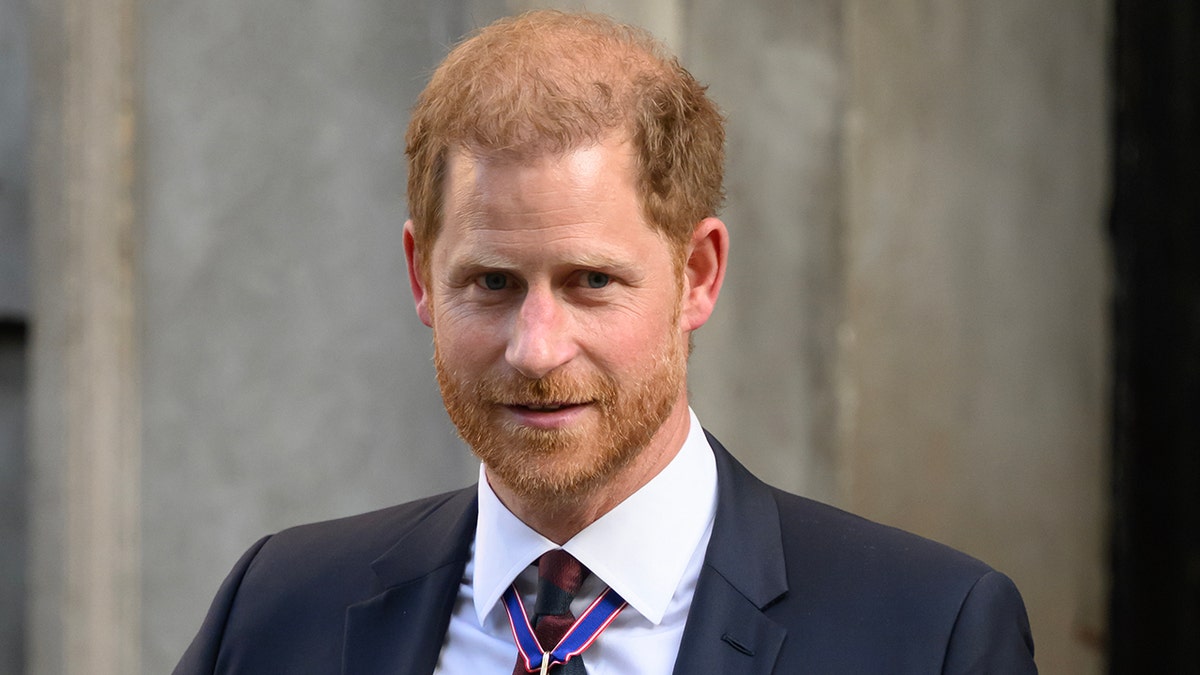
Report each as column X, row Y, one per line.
column 562, row 465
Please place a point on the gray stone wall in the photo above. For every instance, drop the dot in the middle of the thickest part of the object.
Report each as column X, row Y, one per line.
column 14, row 159
column 974, row 360
column 762, row 375
column 14, row 308
column 286, row 376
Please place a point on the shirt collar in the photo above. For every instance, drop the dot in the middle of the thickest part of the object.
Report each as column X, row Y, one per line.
column 619, row 545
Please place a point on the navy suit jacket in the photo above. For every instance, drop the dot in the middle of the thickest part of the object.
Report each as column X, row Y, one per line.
column 788, row 585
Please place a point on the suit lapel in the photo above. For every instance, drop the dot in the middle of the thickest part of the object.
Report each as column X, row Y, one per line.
column 400, row 631
column 743, row 572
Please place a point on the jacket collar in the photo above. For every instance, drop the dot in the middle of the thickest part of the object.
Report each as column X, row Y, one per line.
column 744, row 572
column 440, row 535
column 401, row 630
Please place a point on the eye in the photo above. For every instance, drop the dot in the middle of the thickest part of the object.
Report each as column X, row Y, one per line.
column 494, row 281
column 596, row 279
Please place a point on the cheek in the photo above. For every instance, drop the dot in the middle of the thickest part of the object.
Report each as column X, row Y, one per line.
column 467, row 336
column 626, row 341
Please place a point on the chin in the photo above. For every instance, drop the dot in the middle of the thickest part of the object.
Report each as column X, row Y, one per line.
column 553, row 467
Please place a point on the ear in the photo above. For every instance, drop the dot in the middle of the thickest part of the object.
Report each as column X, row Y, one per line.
column 419, row 290
column 704, row 272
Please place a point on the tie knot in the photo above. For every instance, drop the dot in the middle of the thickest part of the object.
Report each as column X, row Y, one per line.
column 559, row 578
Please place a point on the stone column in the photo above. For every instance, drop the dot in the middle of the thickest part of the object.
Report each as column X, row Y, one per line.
column 973, row 363
column 84, row 569
column 762, row 372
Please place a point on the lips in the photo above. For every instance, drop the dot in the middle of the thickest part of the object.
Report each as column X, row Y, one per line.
column 544, row 407
column 545, row 415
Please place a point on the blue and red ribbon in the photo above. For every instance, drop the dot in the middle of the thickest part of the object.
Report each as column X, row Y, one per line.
column 579, row 636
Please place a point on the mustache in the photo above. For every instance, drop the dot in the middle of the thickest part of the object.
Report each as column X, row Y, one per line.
column 552, row 389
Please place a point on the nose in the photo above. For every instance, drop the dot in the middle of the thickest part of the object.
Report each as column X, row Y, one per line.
column 541, row 338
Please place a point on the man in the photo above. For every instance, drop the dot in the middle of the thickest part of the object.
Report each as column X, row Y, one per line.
column 564, row 174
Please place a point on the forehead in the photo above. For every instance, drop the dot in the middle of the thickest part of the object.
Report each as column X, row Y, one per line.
column 571, row 207
column 601, row 175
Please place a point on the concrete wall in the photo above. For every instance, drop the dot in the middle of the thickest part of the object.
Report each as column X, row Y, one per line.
column 14, row 307
column 762, row 376
column 286, row 376
column 912, row 326
column 975, row 344
column 14, row 159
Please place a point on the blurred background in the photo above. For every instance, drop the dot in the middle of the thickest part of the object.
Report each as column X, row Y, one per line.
column 963, row 296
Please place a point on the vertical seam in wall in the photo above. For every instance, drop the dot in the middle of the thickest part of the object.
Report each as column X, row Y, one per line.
column 845, row 384
column 101, row 613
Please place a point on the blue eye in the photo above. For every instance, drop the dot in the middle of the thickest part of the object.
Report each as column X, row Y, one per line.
column 597, row 279
column 495, row 281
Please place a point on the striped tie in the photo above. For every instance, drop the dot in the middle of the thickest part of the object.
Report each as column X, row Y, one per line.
column 559, row 577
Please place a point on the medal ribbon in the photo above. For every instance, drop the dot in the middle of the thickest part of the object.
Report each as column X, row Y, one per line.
column 579, row 636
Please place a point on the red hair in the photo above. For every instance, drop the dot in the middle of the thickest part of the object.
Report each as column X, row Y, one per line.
column 551, row 82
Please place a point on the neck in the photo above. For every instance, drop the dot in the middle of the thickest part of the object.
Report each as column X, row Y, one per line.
column 560, row 517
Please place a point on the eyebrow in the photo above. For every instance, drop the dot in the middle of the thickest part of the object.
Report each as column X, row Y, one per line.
column 492, row 260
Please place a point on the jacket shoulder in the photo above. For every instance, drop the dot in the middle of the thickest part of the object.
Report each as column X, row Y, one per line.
column 286, row 599
column 855, row 595
column 832, row 537
column 890, row 596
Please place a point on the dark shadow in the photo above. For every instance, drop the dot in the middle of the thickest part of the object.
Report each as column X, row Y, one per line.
column 1155, row 621
column 13, row 496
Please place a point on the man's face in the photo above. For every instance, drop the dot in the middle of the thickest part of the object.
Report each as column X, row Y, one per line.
column 556, row 318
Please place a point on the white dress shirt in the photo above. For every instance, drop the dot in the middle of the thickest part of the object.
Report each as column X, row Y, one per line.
column 649, row 549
